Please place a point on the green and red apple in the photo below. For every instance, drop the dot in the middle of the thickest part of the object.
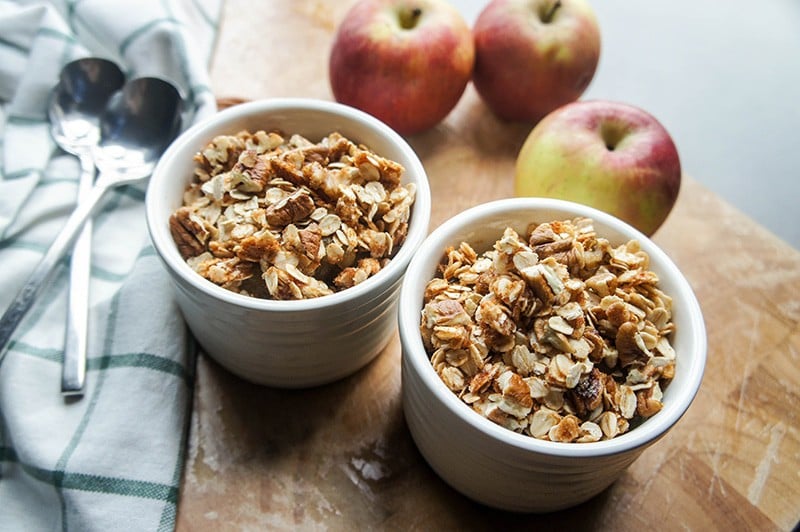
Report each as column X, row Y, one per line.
column 406, row 62
column 609, row 155
column 533, row 56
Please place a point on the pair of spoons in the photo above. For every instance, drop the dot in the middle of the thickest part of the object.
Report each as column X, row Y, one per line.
column 120, row 129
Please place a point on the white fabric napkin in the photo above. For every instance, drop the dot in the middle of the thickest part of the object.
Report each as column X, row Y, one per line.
column 113, row 459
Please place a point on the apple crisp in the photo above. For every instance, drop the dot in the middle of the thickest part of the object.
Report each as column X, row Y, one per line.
column 286, row 218
column 560, row 335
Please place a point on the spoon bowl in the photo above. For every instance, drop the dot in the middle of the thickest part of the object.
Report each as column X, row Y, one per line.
column 79, row 99
column 138, row 124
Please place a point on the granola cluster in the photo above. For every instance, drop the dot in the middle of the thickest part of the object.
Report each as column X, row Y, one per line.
column 559, row 336
column 286, row 218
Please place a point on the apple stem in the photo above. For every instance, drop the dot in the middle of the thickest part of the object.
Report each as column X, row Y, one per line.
column 548, row 17
column 409, row 19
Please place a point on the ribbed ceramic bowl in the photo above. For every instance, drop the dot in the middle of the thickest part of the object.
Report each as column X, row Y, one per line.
column 286, row 343
column 496, row 466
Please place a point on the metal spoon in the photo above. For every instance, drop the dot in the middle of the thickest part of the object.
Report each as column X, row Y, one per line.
column 76, row 104
column 137, row 125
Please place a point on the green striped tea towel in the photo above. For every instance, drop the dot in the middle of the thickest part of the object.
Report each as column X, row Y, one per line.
column 113, row 459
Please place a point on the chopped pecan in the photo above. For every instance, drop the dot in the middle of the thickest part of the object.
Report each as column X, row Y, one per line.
column 517, row 400
column 551, row 248
column 189, row 234
column 618, row 313
column 219, row 155
column 229, row 272
column 647, row 403
column 630, row 345
column 481, row 381
column 597, row 342
column 541, row 234
column 285, row 170
column 263, row 245
column 254, row 171
column 291, row 209
column 310, row 241
column 357, row 274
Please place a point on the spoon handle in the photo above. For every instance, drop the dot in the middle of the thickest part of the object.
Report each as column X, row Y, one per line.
column 36, row 282
column 73, row 369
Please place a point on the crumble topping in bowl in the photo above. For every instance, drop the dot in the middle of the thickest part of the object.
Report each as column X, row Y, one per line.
column 287, row 218
column 559, row 336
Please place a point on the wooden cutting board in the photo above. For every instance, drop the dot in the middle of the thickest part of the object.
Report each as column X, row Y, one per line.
column 340, row 456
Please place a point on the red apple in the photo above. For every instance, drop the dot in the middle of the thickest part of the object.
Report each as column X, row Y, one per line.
column 533, row 56
column 407, row 62
column 608, row 155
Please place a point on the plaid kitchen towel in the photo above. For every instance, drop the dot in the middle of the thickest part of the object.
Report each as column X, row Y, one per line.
column 113, row 459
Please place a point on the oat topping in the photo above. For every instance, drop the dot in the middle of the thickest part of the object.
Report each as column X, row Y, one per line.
column 286, row 218
column 559, row 336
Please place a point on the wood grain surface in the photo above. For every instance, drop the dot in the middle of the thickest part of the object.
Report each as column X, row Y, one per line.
column 340, row 457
